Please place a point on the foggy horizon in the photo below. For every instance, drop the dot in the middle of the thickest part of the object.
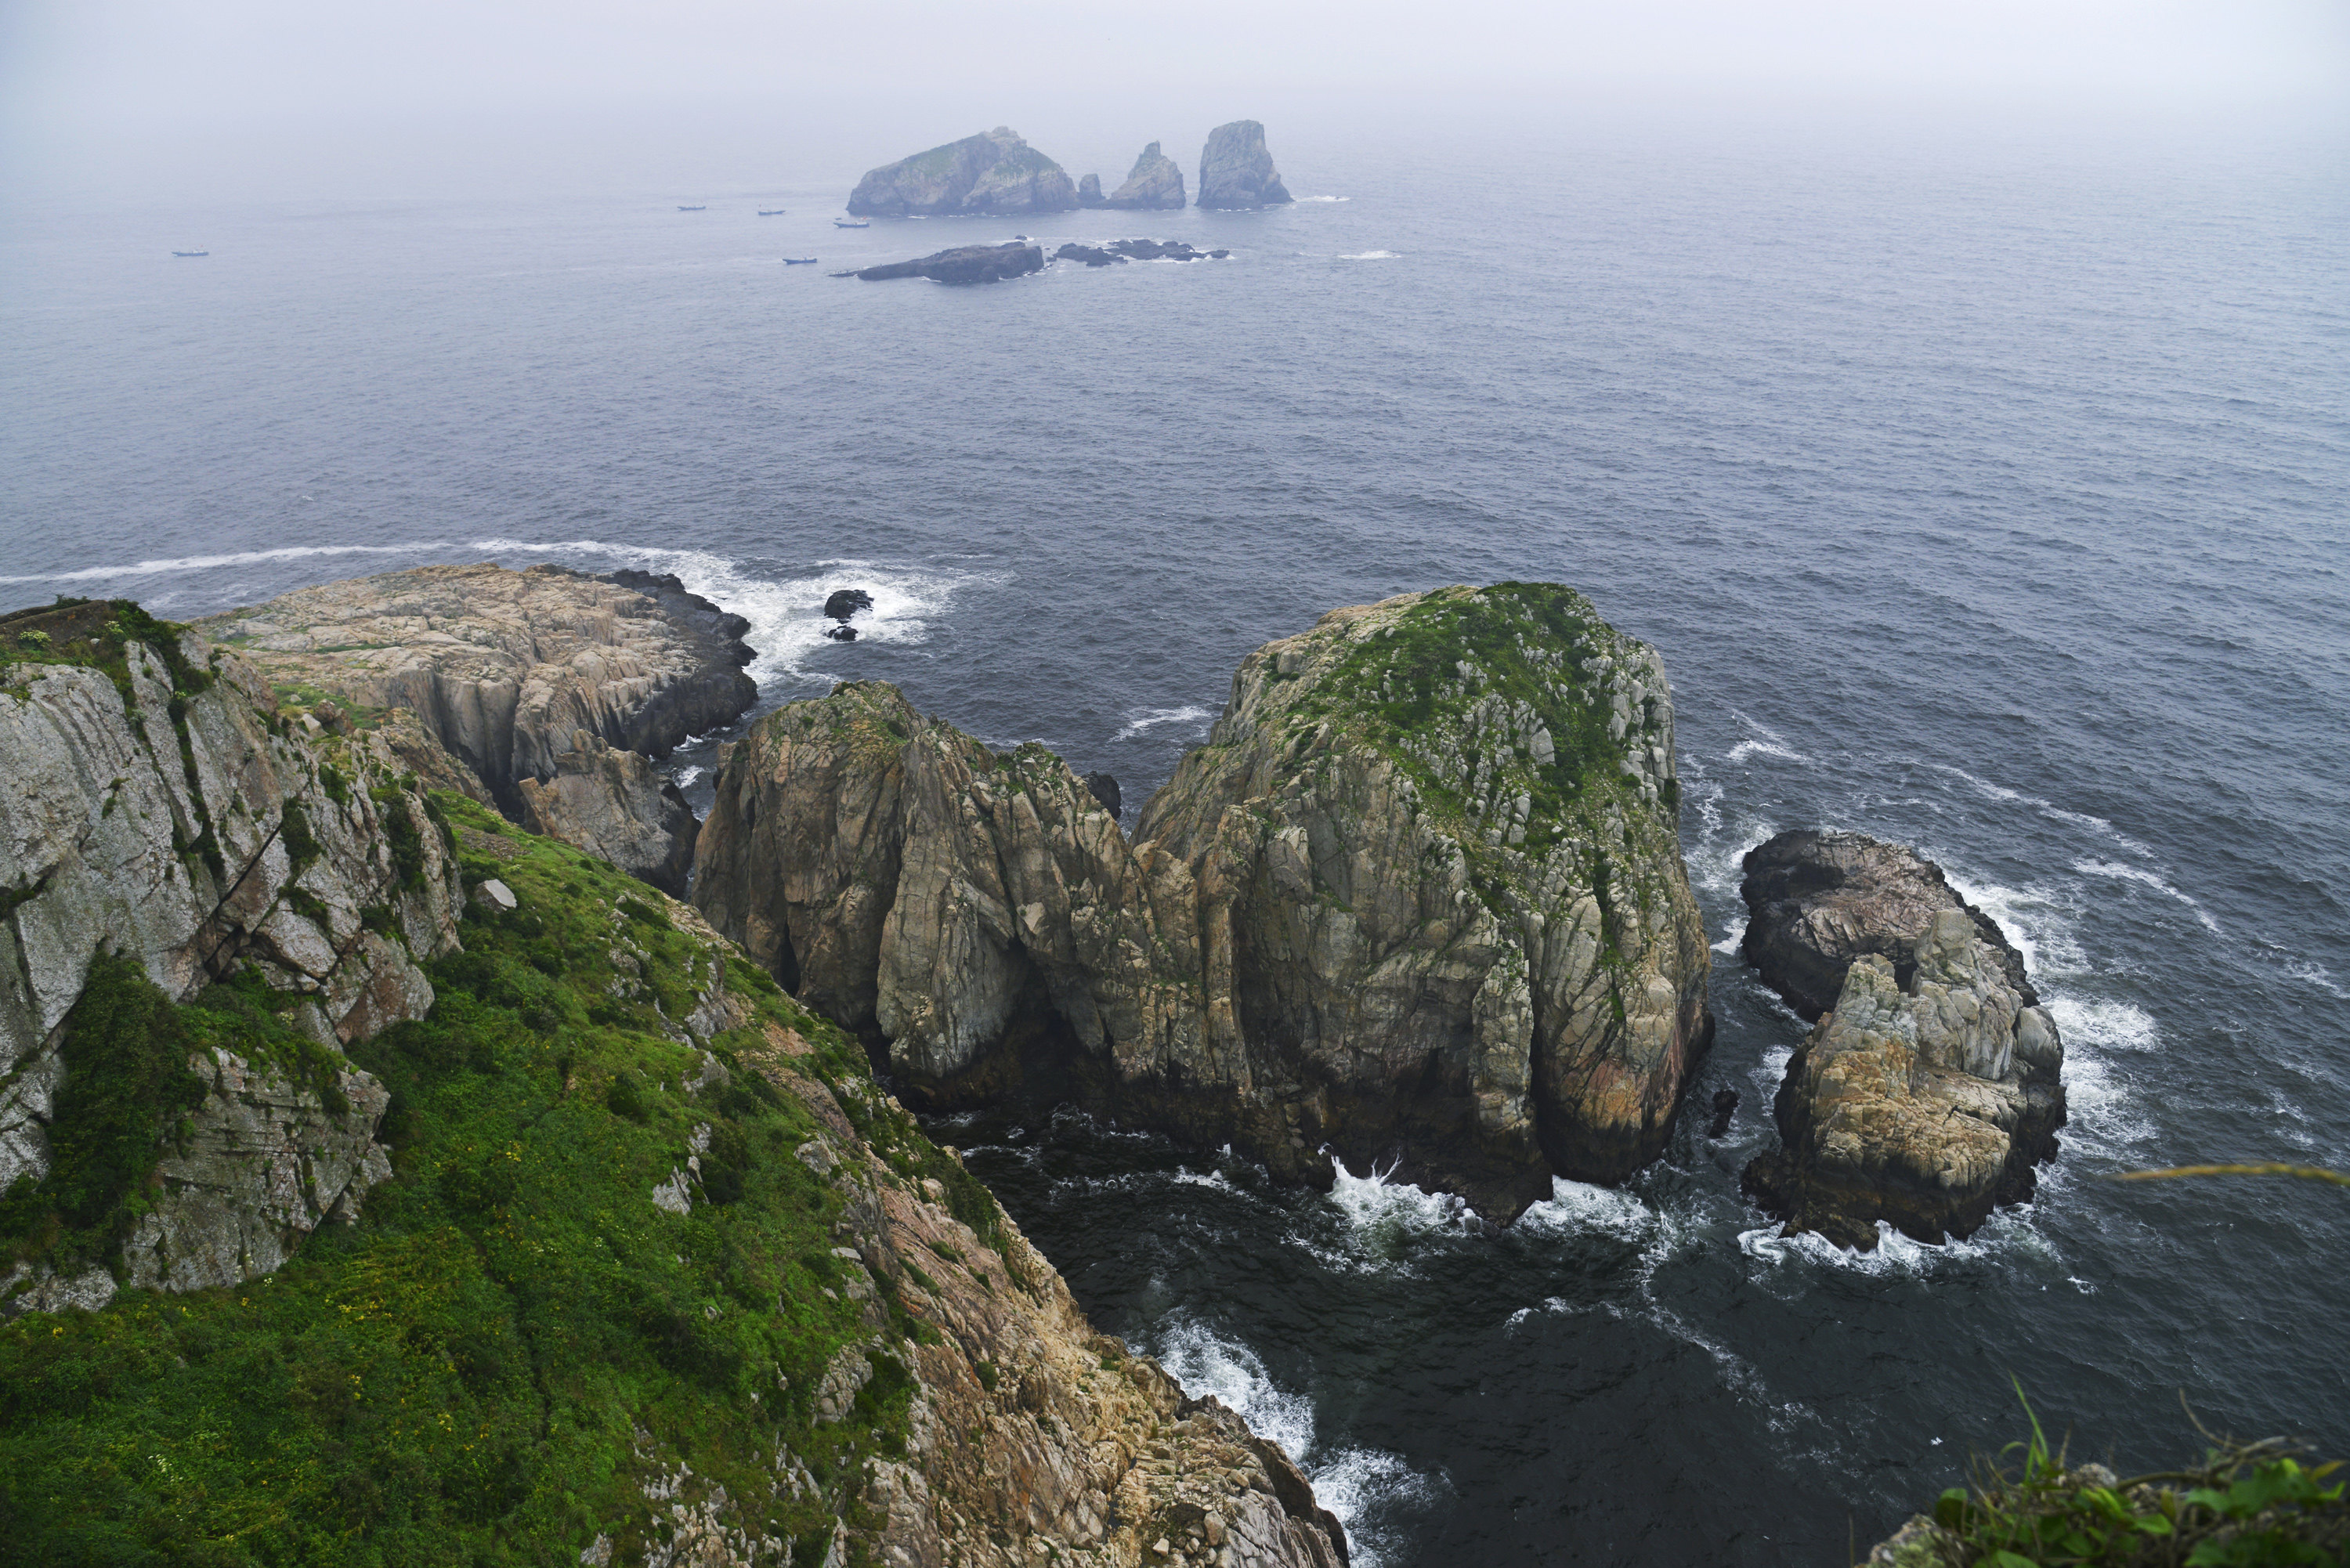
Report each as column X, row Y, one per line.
column 260, row 96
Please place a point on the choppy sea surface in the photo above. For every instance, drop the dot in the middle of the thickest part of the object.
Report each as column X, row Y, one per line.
column 1986, row 493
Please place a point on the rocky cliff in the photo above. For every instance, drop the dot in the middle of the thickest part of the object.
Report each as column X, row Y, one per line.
column 1155, row 183
column 162, row 813
column 1419, row 898
column 1235, row 170
column 626, row 1259
column 612, row 804
column 995, row 172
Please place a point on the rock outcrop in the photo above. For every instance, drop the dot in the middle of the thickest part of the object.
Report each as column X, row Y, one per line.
column 614, row 806
column 995, row 173
column 501, row 669
column 1816, row 900
column 1924, row 1102
column 965, row 263
column 1419, row 900
column 1154, row 184
column 1235, row 170
column 161, row 807
column 1035, row 1437
column 1090, row 191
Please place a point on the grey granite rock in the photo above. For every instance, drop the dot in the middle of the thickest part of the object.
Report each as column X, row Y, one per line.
column 1922, row 1103
column 1332, row 930
column 1089, row 190
column 995, row 172
column 1237, row 171
column 1154, row 184
column 614, row 806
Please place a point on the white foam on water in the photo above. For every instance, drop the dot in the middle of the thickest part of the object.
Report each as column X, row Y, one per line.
column 1153, row 718
column 1371, row 256
column 1771, row 744
column 2040, row 925
column 2312, row 973
column 786, row 615
column 1373, row 1204
column 244, row 558
column 2047, row 808
column 2105, row 1024
column 1325, row 198
column 2009, row 1231
column 1575, row 1206
column 2145, row 879
column 1348, row 1482
column 686, row 775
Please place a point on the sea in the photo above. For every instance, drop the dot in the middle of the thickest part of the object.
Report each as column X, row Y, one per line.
column 1983, row 488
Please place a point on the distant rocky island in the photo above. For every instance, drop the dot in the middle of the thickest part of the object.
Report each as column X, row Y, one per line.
column 997, row 174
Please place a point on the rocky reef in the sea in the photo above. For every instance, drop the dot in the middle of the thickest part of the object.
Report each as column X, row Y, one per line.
column 995, row 172
column 963, row 264
column 1419, row 900
column 1930, row 1088
column 1155, row 183
column 627, row 1256
column 1120, row 251
column 1237, row 171
column 166, row 828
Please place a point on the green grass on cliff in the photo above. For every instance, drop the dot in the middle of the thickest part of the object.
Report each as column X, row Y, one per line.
column 1527, row 640
column 512, row 1340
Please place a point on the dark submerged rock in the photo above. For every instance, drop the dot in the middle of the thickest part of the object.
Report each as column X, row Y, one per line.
column 1816, row 900
column 1725, row 1105
column 1105, row 790
column 966, row 264
column 842, row 603
column 1092, row 255
column 844, row 633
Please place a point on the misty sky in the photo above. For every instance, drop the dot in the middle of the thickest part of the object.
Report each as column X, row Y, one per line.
column 149, row 79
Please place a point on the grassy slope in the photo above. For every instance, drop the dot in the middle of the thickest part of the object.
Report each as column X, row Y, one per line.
column 461, row 1376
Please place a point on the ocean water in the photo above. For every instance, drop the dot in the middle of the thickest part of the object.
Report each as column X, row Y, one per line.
column 1983, row 489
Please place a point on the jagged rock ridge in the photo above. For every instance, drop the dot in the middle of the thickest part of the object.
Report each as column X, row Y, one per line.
column 1154, row 184
column 992, row 173
column 1420, row 897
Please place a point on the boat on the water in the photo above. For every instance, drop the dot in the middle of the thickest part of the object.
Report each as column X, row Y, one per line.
column 852, row 223
column 703, row 208
column 799, row 260
column 771, row 211
column 191, row 252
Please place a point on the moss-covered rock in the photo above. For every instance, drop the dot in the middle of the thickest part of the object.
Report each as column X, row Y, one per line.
column 1419, row 898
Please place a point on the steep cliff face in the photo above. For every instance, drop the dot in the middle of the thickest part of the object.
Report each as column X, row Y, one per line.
column 1419, row 898
column 993, row 173
column 1923, row 1102
column 1237, row 171
column 655, row 1275
column 612, row 804
column 501, row 668
column 1155, row 183
column 1448, row 822
column 159, row 808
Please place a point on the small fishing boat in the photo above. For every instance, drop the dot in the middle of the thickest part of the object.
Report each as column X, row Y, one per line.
column 852, row 224
column 799, row 260
column 191, row 252
column 703, row 208
column 771, row 211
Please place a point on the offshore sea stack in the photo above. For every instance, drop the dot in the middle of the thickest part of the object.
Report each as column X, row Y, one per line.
column 1418, row 901
column 1930, row 1089
column 995, row 172
column 1236, row 171
column 1154, row 184
column 965, row 263
column 487, row 680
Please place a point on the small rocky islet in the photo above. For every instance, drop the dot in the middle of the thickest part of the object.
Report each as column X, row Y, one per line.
column 375, row 889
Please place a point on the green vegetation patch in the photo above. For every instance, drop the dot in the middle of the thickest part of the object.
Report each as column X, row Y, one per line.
column 462, row 1376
